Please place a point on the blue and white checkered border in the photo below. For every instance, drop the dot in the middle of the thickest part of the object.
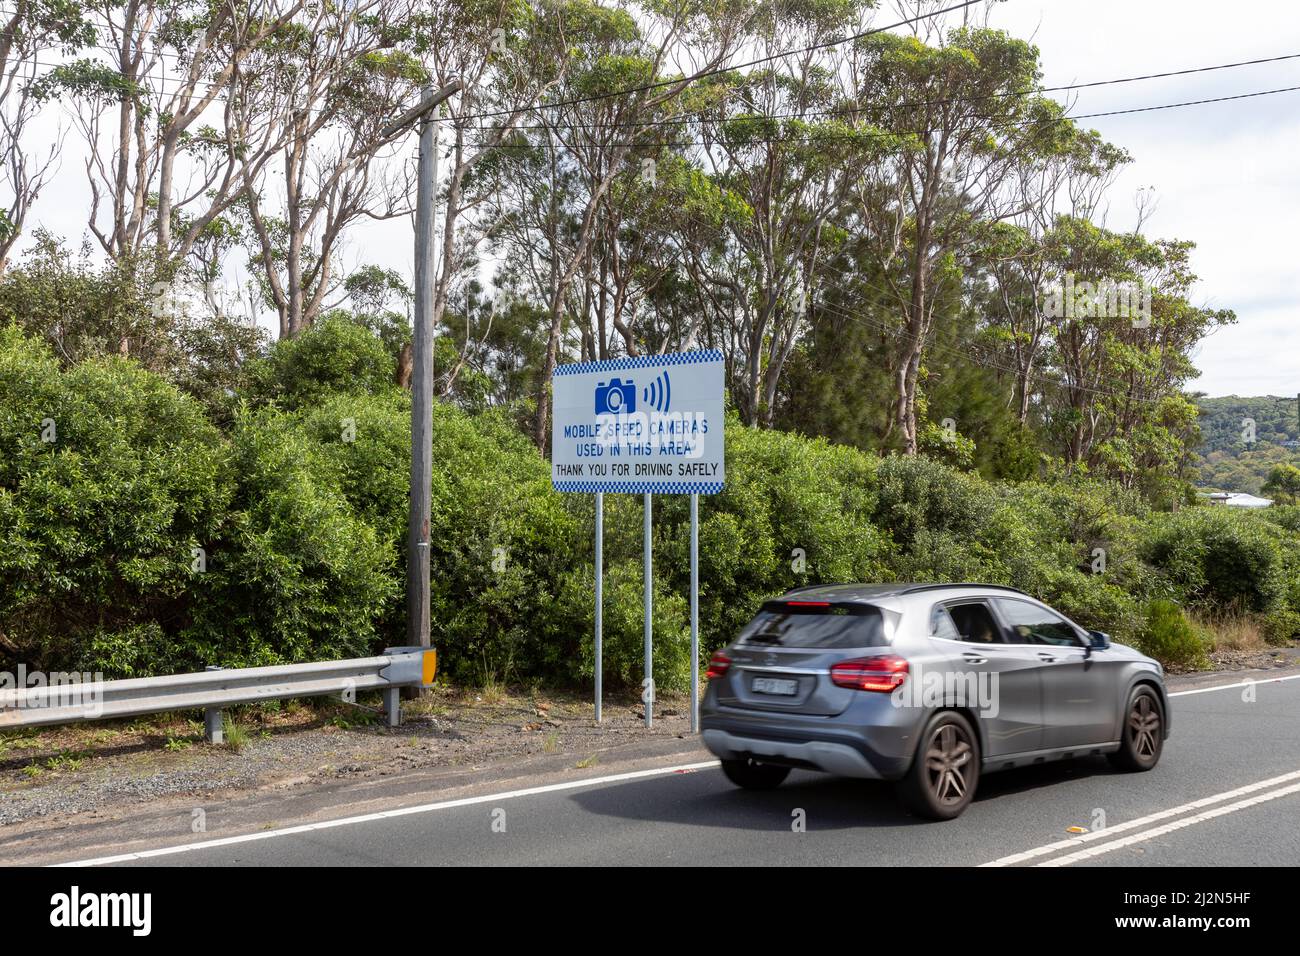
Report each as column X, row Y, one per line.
column 640, row 361
column 641, row 487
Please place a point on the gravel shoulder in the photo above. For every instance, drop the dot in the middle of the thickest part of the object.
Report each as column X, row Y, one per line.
column 98, row 768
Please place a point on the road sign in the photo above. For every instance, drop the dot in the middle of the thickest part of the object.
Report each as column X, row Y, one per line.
column 649, row 424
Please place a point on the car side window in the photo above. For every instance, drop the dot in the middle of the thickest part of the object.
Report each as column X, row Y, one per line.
column 969, row 621
column 1031, row 624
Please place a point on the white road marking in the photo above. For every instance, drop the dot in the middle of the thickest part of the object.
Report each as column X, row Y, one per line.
column 1128, row 825
column 389, row 814
column 1170, row 827
column 1245, row 683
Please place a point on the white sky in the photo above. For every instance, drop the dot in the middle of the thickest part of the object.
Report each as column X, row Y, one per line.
column 1223, row 174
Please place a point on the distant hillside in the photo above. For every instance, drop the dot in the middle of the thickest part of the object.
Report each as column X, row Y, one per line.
column 1227, row 463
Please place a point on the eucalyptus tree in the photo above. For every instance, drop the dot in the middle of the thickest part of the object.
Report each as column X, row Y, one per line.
column 339, row 74
column 627, row 70
column 661, row 233
column 29, row 30
column 785, row 139
column 969, row 117
column 153, row 104
column 1017, row 255
column 508, row 54
column 1120, row 365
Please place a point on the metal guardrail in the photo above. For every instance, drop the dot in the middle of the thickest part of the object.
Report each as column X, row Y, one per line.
column 215, row 688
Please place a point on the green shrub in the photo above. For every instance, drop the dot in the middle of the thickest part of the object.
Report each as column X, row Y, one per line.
column 501, row 539
column 109, row 479
column 1219, row 558
column 1170, row 638
column 794, row 511
column 298, row 573
column 300, row 507
column 1280, row 625
column 623, row 629
column 336, row 355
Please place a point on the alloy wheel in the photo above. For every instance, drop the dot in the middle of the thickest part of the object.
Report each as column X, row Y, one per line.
column 948, row 762
column 1144, row 726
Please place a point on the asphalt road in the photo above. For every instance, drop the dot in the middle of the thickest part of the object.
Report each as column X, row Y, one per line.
column 1214, row 799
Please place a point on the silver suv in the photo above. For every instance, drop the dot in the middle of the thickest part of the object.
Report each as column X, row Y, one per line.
column 929, row 685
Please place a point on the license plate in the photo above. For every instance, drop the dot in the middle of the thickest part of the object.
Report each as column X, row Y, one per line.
column 774, row 685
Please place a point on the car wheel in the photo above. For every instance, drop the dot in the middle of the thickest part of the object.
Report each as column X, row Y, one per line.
column 752, row 775
column 1143, row 734
column 946, row 769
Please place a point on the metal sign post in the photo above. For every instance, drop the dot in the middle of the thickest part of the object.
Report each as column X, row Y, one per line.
column 695, row 613
column 647, row 425
column 600, row 593
column 647, row 571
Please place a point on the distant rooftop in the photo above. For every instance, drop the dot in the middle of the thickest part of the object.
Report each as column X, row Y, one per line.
column 1238, row 499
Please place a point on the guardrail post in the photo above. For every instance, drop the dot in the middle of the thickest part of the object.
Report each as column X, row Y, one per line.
column 393, row 695
column 213, row 727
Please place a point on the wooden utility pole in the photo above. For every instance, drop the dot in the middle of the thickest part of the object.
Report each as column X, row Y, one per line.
column 417, row 528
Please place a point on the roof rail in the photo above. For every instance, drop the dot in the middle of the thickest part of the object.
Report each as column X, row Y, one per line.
column 962, row 584
column 813, row 587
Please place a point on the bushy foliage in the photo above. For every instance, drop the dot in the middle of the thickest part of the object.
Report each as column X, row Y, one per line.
column 623, row 656
column 1170, row 637
column 130, row 307
column 338, row 355
column 299, row 507
column 793, row 511
column 299, row 574
column 500, row 542
column 1219, row 557
column 110, row 478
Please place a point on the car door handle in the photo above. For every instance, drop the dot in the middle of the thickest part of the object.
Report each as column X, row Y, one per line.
column 970, row 658
column 1046, row 658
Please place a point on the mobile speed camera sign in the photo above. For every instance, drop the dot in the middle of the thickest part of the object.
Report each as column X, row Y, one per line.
column 648, row 424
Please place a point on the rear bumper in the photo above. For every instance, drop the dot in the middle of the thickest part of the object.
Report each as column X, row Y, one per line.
column 870, row 753
column 821, row 755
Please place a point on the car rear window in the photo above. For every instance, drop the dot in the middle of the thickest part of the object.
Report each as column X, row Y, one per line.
column 814, row 624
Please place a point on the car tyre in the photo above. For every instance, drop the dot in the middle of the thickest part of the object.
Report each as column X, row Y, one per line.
column 1142, row 737
column 753, row 775
column 945, row 770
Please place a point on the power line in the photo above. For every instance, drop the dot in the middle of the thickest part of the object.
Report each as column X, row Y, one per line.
column 854, row 110
column 833, row 137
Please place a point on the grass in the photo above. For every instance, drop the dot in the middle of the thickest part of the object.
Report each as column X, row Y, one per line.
column 493, row 691
column 587, row 762
column 236, row 734
column 1235, row 632
column 26, row 739
column 552, row 743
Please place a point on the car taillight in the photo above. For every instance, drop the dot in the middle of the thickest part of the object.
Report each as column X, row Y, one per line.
column 881, row 673
column 718, row 665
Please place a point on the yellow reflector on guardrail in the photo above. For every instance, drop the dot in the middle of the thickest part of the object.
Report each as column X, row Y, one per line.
column 430, row 667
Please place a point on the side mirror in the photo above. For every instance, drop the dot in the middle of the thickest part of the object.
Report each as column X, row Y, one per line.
column 1098, row 640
